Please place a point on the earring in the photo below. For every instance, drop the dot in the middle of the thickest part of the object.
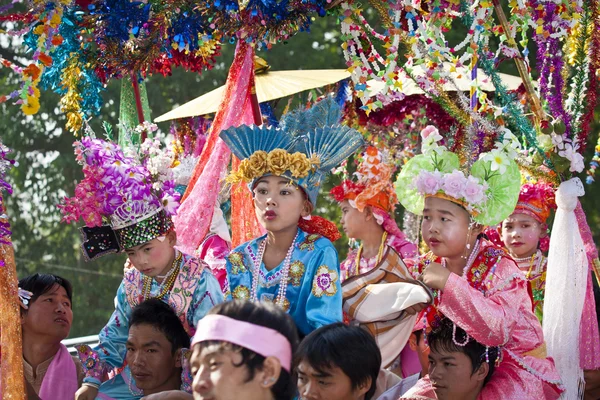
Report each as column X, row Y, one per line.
column 308, row 217
column 268, row 381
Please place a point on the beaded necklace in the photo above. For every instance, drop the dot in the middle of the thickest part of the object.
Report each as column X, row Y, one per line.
column 535, row 256
column 167, row 284
column 379, row 254
column 283, row 283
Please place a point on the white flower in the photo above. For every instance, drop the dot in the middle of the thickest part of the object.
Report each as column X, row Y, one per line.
column 170, row 204
column 571, row 154
column 557, row 140
column 499, row 160
column 577, row 164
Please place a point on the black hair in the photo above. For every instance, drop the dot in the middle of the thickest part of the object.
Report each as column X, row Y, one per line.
column 349, row 348
column 40, row 284
column 444, row 336
column 269, row 316
column 160, row 315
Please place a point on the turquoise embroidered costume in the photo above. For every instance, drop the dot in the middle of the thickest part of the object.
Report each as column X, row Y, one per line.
column 316, row 293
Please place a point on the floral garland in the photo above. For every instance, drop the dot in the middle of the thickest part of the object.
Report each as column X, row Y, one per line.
column 47, row 20
column 365, row 62
column 276, row 162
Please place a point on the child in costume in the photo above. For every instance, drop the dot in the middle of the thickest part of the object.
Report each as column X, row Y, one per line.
column 295, row 264
column 367, row 215
column 478, row 286
column 118, row 188
column 523, row 233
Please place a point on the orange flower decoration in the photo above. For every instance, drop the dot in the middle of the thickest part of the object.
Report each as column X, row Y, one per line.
column 57, row 40
column 45, row 59
column 32, row 71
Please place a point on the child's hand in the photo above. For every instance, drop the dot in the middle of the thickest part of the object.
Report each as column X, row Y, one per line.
column 435, row 276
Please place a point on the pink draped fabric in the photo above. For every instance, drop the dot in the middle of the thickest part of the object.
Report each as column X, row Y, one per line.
column 193, row 218
column 60, row 381
column 589, row 339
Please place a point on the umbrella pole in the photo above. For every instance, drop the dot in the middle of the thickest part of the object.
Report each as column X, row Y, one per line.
column 138, row 103
column 536, row 106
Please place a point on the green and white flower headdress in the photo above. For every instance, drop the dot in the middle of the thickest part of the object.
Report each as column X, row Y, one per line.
column 488, row 190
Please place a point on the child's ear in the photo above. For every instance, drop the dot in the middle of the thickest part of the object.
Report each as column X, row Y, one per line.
column 412, row 342
column 172, row 237
column 307, row 209
column 482, row 372
column 270, row 372
column 544, row 230
column 368, row 213
column 364, row 387
column 477, row 229
column 179, row 361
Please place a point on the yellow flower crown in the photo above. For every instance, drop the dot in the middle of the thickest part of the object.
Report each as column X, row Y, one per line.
column 276, row 162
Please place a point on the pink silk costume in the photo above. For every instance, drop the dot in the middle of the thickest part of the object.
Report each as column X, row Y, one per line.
column 491, row 303
column 214, row 250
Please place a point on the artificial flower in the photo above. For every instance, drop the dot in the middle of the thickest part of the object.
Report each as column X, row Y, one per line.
column 453, row 184
column 170, row 204
column 257, row 163
column 299, row 165
column 498, row 159
column 279, row 161
column 429, row 182
column 474, row 192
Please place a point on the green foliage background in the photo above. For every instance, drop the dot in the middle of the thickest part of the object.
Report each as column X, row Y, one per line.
column 47, row 170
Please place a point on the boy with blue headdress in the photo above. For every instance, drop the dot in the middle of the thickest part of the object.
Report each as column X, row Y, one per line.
column 294, row 264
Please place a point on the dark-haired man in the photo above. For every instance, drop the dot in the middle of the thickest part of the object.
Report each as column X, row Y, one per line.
column 338, row 362
column 459, row 366
column 46, row 317
column 154, row 356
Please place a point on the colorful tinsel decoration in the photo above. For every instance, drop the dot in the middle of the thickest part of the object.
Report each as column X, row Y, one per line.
column 5, row 165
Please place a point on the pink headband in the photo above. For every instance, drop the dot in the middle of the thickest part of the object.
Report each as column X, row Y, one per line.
column 261, row 340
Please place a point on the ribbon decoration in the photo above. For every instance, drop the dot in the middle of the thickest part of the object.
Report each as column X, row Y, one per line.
column 195, row 213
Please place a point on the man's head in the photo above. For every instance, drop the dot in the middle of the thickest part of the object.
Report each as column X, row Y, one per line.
column 156, row 336
column 337, row 362
column 243, row 347
column 458, row 371
column 418, row 344
column 49, row 312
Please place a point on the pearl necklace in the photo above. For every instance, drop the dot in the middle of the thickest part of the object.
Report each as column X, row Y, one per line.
column 283, row 283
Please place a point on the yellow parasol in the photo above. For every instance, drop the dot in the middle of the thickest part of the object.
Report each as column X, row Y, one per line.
column 270, row 85
column 461, row 75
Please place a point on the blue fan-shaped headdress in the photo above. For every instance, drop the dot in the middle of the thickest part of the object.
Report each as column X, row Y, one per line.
column 314, row 133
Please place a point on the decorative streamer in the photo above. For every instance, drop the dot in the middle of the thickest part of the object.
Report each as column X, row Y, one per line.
column 589, row 342
column 594, row 67
column 231, row 95
column 129, row 113
column 195, row 213
column 12, row 384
